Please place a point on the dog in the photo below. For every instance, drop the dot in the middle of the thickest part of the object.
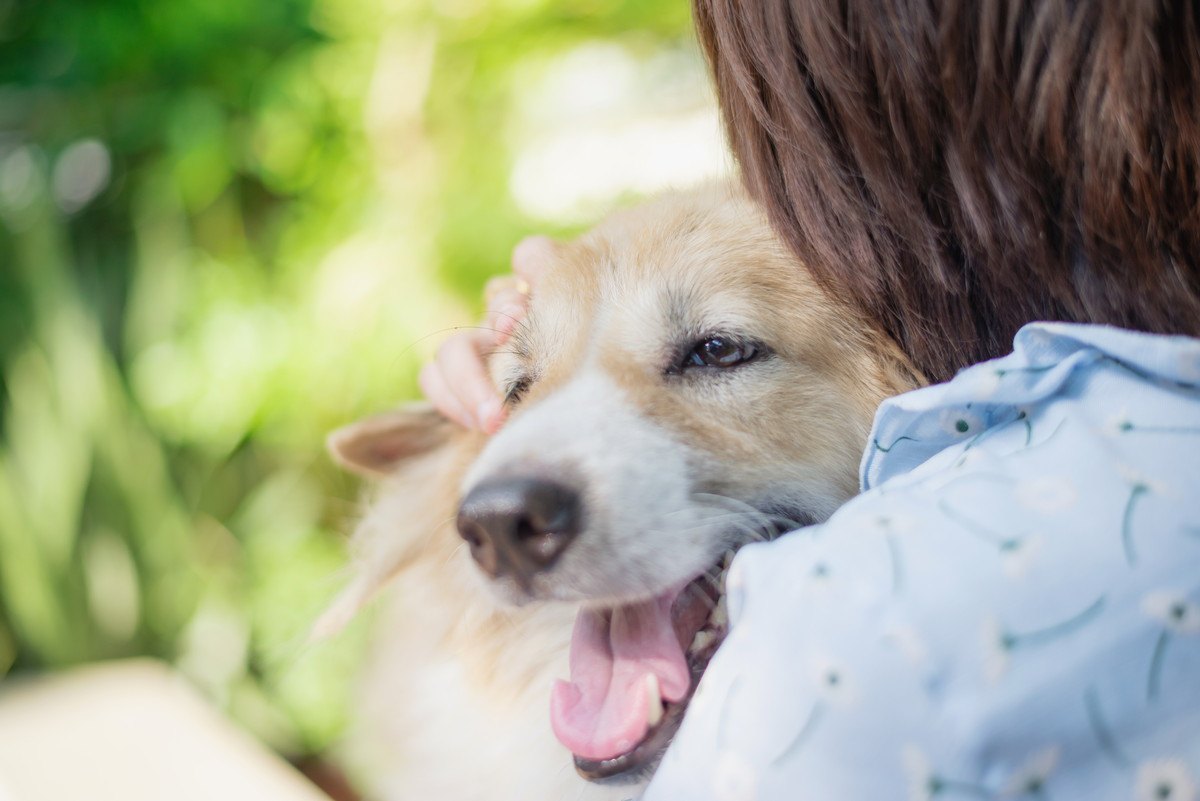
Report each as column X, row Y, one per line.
column 680, row 387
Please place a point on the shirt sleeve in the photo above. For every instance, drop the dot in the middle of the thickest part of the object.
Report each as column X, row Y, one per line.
column 1011, row 609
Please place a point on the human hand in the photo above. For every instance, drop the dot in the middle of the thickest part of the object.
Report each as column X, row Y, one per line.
column 456, row 381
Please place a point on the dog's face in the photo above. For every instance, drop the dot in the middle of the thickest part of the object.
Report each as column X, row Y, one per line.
column 678, row 379
column 680, row 387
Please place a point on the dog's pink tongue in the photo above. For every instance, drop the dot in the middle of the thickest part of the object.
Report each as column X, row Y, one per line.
column 604, row 711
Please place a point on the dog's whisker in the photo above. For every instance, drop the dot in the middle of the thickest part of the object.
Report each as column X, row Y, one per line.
column 703, row 597
column 755, row 534
column 755, row 524
column 741, row 522
column 454, row 553
column 715, row 581
column 734, row 508
column 434, row 530
column 404, row 351
column 516, row 320
column 788, row 523
column 725, row 500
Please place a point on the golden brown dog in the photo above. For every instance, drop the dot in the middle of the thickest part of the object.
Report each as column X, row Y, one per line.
column 680, row 387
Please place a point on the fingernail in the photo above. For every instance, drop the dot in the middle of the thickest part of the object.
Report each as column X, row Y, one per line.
column 485, row 412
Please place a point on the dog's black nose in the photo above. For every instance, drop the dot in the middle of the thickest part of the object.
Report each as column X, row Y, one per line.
column 519, row 526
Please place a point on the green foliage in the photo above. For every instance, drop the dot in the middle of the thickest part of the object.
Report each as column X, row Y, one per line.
column 225, row 228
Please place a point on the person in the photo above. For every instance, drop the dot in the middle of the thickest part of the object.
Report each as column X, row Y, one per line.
column 1011, row 608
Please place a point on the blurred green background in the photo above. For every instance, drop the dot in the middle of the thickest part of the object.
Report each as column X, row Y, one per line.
column 227, row 227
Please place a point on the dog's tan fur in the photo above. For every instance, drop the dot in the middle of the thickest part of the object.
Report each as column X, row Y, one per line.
column 454, row 702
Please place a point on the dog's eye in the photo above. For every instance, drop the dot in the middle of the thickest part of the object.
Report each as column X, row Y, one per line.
column 720, row 351
column 515, row 390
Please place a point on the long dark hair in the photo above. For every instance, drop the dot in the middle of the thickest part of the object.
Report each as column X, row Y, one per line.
column 962, row 168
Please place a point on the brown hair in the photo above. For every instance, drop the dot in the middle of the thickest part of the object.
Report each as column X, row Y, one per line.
column 962, row 168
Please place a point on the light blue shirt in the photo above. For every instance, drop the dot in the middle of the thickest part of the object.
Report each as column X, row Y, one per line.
column 1011, row 609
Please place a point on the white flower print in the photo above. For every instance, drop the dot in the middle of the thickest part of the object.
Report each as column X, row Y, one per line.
column 831, row 683
column 1142, row 482
column 960, row 423
column 924, row 784
column 918, row 774
column 1048, row 494
column 886, row 522
column 909, row 643
column 1030, row 778
column 1118, row 423
column 734, row 778
column 1017, row 555
column 987, row 382
column 818, row 583
column 1173, row 610
column 1164, row 780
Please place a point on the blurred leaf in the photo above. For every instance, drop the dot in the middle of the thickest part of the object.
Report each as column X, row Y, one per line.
column 225, row 228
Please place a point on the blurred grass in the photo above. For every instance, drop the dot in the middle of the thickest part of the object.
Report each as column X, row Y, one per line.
column 225, row 228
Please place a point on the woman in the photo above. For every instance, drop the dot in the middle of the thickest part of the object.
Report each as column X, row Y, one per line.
column 1016, row 613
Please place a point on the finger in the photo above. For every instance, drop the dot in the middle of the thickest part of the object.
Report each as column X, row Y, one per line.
column 506, row 308
column 434, row 387
column 461, row 360
column 498, row 285
column 532, row 256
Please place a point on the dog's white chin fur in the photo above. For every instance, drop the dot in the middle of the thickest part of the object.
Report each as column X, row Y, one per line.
column 428, row 732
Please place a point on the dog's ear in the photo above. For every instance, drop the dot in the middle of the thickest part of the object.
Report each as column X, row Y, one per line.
column 378, row 445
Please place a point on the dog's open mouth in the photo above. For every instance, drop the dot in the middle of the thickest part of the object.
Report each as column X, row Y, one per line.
column 633, row 670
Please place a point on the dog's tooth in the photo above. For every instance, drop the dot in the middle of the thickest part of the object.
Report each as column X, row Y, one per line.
column 654, row 702
column 720, row 615
column 727, row 561
column 702, row 640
